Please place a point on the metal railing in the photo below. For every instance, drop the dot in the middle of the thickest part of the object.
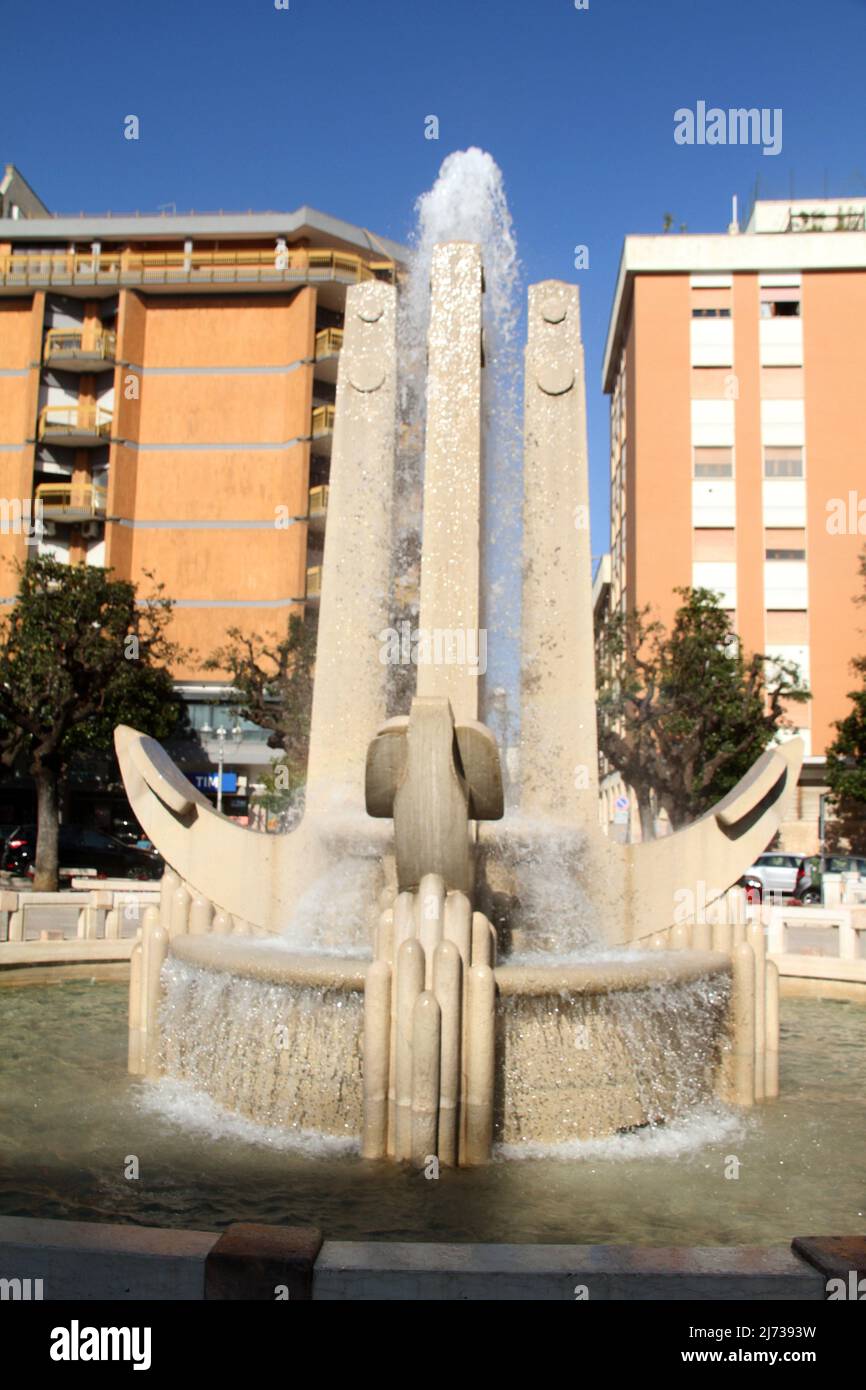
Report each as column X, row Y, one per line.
column 80, row 499
column 57, row 420
column 62, row 342
column 323, row 418
column 318, row 505
column 328, row 342
column 314, row 582
column 821, row 220
column 23, row 268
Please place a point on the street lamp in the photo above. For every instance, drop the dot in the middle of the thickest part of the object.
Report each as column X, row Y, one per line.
column 237, row 735
column 221, row 753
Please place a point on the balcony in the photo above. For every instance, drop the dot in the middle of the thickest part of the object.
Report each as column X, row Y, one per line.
column 328, row 345
column 65, row 349
column 78, row 426
column 322, row 429
column 37, row 269
column 318, row 507
column 72, row 501
column 314, row 583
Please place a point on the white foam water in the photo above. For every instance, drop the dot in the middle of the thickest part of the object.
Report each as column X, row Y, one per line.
column 179, row 1103
column 706, row 1125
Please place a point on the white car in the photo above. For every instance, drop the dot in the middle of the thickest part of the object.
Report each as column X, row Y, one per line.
column 776, row 872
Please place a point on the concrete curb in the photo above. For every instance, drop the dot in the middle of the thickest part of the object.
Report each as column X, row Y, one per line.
column 252, row 1261
column 80, row 1261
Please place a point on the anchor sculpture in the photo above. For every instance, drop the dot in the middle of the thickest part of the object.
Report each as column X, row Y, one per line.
column 432, row 987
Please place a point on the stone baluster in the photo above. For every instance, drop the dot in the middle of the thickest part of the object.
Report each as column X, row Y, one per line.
column 136, row 1033
column 377, row 1037
column 771, row 1055
column 480, row 1064
column 410, row 984
column 429, row 915
column 426, row 1041
column 758, row 943
column 179, row 920
column 200, row 915
column 155, row 941
column 448, row 988
column 743, row 1020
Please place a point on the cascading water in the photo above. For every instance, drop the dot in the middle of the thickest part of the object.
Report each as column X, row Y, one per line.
column 288, row 1060
column 467, row 203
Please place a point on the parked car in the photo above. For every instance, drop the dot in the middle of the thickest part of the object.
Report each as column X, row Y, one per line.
column 89, row 853
column 776, row 873
column 753, row 886
column 809, row 887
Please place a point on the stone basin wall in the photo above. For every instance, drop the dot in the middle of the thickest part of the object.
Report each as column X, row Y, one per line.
column 582, row 1051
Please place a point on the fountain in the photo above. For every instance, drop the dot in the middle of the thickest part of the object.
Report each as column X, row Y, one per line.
column 414, row 970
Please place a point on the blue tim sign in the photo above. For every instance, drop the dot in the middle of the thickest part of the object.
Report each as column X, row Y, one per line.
column 207, row 781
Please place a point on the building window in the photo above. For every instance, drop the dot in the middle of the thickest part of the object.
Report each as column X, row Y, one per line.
column 711, row 313
column 714, row 545
column 785, row 543
column 780, row 309
column 713, row 462
column 780, row 303
column 783, row 461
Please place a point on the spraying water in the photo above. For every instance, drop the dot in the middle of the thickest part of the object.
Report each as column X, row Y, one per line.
column 467, row 203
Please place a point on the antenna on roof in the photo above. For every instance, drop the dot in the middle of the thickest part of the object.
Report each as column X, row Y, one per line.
column 733, row 225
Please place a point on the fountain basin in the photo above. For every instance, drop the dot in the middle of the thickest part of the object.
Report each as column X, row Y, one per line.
column 584, row 1050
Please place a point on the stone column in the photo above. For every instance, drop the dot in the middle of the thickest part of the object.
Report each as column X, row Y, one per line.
column 350, row 689
column 558, row 749
column 450, row 562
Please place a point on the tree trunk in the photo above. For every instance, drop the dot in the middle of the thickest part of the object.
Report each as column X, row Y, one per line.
column 45, row 878
column 645, row 811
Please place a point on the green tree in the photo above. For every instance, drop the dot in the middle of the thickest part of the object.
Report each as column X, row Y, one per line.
column 683, row 715
column 846, row 761
column 78, row 655
column 272, row 685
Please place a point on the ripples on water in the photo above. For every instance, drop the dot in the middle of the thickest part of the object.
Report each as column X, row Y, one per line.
column 72, row 1116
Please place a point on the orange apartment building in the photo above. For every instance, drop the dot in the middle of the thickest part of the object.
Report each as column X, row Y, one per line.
column 167, row 394
column 736, row 367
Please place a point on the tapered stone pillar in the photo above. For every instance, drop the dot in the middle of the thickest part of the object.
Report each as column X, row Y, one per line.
column 450, row 562
column 558, row 749
column 350, row 688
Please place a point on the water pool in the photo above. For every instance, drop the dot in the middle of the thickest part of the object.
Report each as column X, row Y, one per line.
column 72, row 1118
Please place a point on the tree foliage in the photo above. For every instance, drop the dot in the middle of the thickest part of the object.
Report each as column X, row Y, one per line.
column 683, row 715
column 272, row 684
column 846, row 761
column 78, row 655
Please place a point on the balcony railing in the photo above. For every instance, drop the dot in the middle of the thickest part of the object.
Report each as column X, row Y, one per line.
column 328, row 342
column 323, row 419
column 318, row 505
column 25, row 268
column 72, row 501
column 74, row 421
column 61, row 343
column 314, row 582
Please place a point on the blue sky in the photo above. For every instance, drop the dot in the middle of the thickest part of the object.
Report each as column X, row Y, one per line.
column 245, row 106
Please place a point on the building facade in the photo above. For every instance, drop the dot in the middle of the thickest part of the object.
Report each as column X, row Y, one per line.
column 736, row 364
column 167, row 395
